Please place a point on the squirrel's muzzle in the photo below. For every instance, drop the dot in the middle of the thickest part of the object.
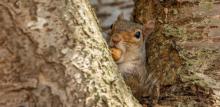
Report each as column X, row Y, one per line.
column 116, row 39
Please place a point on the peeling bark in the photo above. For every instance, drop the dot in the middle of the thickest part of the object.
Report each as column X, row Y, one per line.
column 52, row 54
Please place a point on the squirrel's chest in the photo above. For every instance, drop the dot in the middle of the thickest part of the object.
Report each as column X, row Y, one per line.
column 133, row 67
column 133, row 73
column 128, row 67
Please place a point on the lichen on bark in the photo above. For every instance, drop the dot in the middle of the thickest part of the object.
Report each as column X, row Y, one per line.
column 53, row 54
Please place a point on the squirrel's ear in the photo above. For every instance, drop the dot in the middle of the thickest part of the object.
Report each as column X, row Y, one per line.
column 149, row 27
column 121, row 16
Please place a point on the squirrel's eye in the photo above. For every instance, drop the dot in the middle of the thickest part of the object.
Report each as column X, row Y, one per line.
column 138, row 34
column 111, row 26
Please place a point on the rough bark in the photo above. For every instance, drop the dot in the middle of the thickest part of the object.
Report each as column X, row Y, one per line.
column 52, row 54
column 184, row 50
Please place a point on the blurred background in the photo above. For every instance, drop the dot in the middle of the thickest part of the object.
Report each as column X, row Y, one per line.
column 108, row 10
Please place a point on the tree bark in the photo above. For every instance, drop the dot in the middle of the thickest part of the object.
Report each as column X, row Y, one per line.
column 184, row 51
column 52, row 54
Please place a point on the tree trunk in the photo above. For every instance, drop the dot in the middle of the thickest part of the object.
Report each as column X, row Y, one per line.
column 52, row 54
column 184, row 51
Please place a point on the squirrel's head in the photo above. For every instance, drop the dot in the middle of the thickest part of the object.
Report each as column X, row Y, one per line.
column 129, row 36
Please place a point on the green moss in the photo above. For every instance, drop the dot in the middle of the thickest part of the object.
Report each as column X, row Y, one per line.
column 175, row 11
column 206, row 5
column 171, row 31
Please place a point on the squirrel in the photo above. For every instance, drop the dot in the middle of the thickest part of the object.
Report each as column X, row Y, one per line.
column 127, row 46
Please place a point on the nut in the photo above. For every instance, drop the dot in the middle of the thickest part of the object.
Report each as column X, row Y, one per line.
column 116, row 53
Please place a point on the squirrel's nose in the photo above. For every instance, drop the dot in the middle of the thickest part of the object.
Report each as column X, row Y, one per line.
column 116, row 39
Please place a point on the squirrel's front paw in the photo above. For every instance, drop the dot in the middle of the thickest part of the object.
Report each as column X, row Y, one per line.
column 116, row 53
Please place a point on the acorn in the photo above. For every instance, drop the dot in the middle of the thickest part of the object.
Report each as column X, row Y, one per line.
column 116, row 53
